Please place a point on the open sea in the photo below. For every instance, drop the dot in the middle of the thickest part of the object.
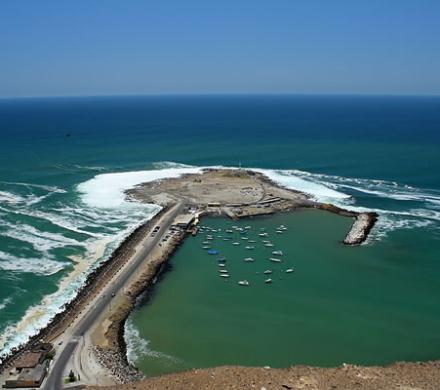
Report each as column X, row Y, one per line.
column 65, row 162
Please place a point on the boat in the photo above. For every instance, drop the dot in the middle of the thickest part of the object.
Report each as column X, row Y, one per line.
column 263, row 234
column 229, row 231
column 213, row 252
column 275, row 260
column 206, row 243
column 247, row 227
column 269, row 245
column 223, row 271
column 249, row 259
column 244, row 238
column 235, row 243
column 289, row 270
column 279, row 232
column 243, row 283
column 221, row 259
column 206, row 247
column 268, row 281
column 267, row 272
column 277, row 253
column 224, row 275
column 249, row 247
column 265, row 241
column 221, row 264
column 252, row 241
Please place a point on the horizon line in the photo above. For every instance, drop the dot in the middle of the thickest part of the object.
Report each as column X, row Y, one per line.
column 213, row 94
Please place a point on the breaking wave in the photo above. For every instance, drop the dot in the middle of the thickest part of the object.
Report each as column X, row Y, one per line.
column 138, row 347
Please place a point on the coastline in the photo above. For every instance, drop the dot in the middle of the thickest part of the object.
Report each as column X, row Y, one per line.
column 107, row 341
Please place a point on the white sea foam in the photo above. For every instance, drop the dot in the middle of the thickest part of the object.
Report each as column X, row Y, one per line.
column 5, row 302
column 107, row 190
column 40, row 240
column 9, row 262
column 289, row 179
column 138, row 347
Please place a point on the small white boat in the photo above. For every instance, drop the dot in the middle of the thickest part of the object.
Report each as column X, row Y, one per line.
column 249, row 247
column 206, row 243
column 277, row 253
column 279, row 232
column 223, row 271
column 275, row 260
column 221, row 264
column 224, row 275
column 210, row 238
column 265, row 241
column 235, row 243
column 249, row 259
column 263, row 234
column 247, row 227
column 269, row 245
column 252, row 241
column 289, row 270
column 267, row 272
column 243, row 283
column 268, row 281
column 229, row 231
column 244, row 238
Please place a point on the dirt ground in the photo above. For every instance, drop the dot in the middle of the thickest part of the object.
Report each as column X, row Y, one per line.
column 399, row 376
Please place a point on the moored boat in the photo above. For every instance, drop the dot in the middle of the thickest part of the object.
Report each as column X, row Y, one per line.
column 268, row 281
column 249, row 259
column 275, row 260
column 243, row 283
column 289, row 270
column 267, row 272
column 277, row 253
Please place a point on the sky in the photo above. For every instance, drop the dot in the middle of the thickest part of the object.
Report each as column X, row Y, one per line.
column 108, row 47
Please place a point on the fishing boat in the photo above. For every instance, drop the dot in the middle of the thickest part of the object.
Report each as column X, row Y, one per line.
column 224, row 275
column 206, row 243
column 263, row 234
column 249, row 247
column 243, row 283
column 223, row 271
column 279, row 232
column 277, row 253
column 221, row 264
column 268, row 281
column 275, row 260
column 244, row 238
column 267, row 272
column 252, row 241
column 249, row 259
column 229, row 231
column 269, row 245
column 235, row 243
column 206, row 247
column 289, row 270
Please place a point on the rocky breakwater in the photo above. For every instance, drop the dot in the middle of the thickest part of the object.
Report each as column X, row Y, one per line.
column 360, row 229
column 111, row 351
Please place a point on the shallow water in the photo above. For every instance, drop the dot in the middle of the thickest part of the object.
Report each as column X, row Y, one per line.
column 367, row 305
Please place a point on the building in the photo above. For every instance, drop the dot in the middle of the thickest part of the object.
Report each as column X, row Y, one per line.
column 184, row 221
column 28, row 377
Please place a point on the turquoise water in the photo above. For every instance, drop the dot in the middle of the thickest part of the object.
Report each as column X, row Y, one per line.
column 65, row 162
column 368, row 305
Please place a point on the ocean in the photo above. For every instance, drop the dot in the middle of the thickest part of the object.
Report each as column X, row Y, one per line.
column 65, row 162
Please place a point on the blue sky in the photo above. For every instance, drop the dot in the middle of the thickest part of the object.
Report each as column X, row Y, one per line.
column 55, row 48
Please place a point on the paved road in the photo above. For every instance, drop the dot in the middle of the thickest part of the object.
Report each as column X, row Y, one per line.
column 55, row 376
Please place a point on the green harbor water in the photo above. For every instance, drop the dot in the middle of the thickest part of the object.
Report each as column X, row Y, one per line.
column 372, row 304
